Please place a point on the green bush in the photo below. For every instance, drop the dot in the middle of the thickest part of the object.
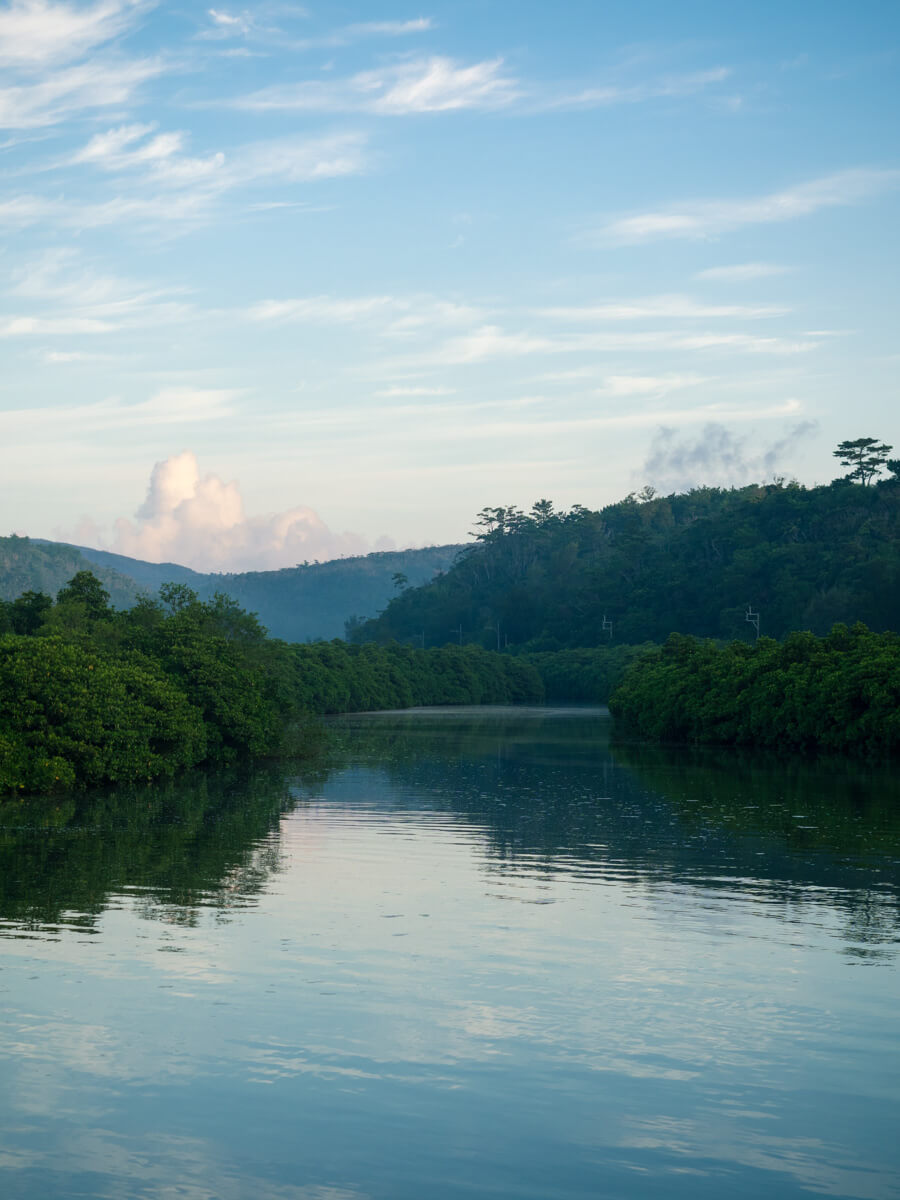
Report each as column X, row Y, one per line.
column 590, row 674
column 840, row 692
column 67, row 714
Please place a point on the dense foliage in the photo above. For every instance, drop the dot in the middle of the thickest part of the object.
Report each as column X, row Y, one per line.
column 89, row 694
column 840, row 692
column 636, row 571
column 589, row 674
column 71, row 715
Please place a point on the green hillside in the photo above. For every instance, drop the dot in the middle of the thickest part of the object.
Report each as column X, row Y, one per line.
column 37, row 566
column 299, row 603
column 636, row 571
column 316, row 599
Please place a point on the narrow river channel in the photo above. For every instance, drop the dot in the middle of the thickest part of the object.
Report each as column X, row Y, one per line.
column 482, row 953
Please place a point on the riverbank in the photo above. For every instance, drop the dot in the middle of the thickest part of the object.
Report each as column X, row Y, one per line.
column 90, row 695
column 839, row 693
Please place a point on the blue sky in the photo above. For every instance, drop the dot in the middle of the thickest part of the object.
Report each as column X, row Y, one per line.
column 279, row 282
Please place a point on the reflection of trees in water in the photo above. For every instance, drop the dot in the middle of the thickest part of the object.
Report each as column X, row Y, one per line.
column 553, row 796
column 829, row 823
column 174, row 847
column 545, row 795
column 871, row 926
column 500, row 731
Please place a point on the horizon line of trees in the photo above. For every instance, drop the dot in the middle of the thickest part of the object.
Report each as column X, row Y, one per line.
column 651, row 565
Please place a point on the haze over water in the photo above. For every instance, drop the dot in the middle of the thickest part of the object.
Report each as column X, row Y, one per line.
column 481, row 954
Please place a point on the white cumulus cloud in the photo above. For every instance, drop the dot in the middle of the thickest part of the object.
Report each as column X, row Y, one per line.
column 199, row 521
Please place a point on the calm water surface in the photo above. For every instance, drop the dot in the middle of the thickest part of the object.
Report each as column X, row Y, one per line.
column 483, row 954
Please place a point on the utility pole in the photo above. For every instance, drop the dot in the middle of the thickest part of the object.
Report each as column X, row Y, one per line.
column 607, row 626
column 458, row 631
column 753, row 618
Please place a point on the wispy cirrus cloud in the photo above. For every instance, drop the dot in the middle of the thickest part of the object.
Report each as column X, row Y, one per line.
column 742, row 272
column 62, row 94
column 68, row 296
column 39, row 33
column 710, row 218
column 396, row 316
column 266, row 24
column 347, row 34
column 162, row 187
column 229, row 24
column 18, row 212
column 265, row 21
column 389, row 28
column 654, row 307
column 60, row 60
column 445, row 333
column 65, row 357
column 291, row 159
column 490, row 342
column 159, row 159
column 648, row 385
column 297, row 159
column 175, row 406
column 667, row 86
column 321, row 308
column 435, row 84
column 128, row 146
column 406, row 390
column 442, row 84
column 31, row 326
column 545, row 428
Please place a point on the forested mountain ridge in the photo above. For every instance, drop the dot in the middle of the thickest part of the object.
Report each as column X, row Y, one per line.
column 309, row 601
column 38, row 566
column 315, row 600
column 149, row 575
column 638, row 570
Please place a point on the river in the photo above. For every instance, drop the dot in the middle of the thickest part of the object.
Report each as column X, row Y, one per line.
column 481, row 953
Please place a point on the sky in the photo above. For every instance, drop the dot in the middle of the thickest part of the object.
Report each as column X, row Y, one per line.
column 288, row 282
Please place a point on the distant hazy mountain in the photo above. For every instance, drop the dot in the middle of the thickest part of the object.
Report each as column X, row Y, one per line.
column 314, row 601
column 148, row 575
column 297, row 603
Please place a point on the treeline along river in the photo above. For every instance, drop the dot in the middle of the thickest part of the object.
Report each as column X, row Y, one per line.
column 477, row 952
column 91, row 695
